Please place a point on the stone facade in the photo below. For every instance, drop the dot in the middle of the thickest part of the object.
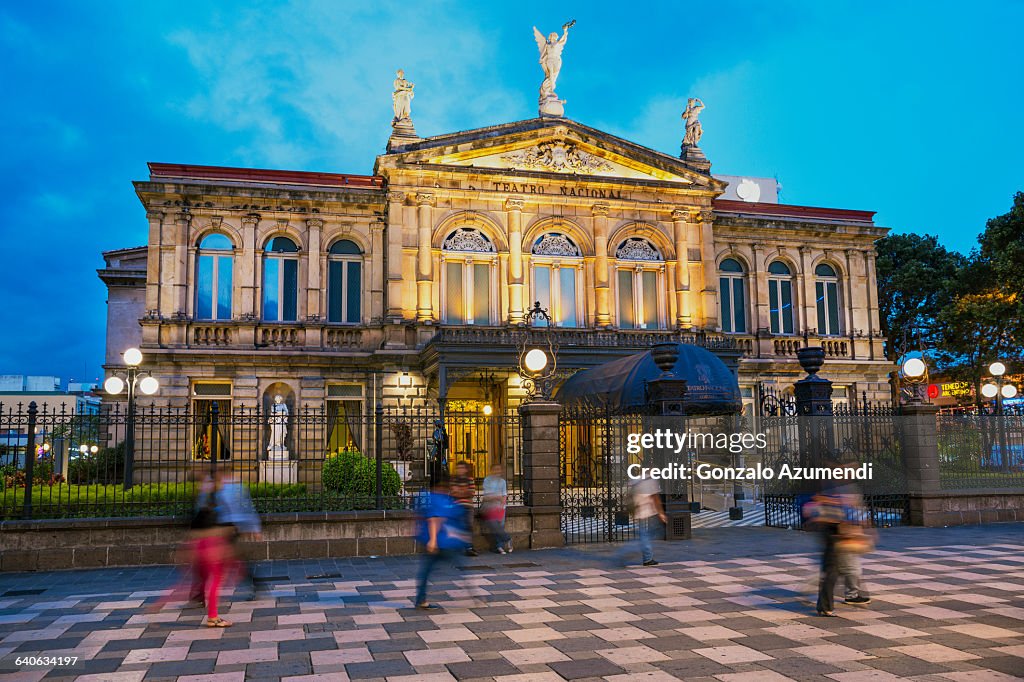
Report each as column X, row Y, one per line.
column 448, row 237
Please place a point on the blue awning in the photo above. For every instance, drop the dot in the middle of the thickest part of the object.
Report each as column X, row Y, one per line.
column 620, row 385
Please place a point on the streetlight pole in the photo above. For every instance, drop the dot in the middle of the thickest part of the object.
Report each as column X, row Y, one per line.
column 114, row 385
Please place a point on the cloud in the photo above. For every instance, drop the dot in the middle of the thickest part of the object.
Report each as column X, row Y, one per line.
column 310, row 84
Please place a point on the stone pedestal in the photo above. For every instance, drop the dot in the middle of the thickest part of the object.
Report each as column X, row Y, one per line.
column 402, row 133
column 551, row 106
column 279, row 471
column 695, row 158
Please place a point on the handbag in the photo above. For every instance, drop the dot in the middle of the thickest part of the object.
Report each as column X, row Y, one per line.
column 854, row 538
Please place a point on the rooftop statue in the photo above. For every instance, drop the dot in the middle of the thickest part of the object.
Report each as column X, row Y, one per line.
column 551, row 61
column 402, row 98
column 694, row 131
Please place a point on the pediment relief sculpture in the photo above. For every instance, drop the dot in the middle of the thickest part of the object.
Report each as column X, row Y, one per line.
column 560, row 157
column 555, row 245
column 468, row 239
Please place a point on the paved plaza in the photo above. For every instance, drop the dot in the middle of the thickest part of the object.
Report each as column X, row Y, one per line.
column 732, row 605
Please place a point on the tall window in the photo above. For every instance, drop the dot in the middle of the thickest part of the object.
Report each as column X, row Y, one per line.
column 732, row 296
column 213, row 278
column 344, row 282
column 640, row 281
column 557, row 264
column 826, row 290
column 468, row 265
column 280, row 280
column 780, row 298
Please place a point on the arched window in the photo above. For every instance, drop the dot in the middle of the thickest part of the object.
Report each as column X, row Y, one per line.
column 213, row 278
column 344, row 282
column 780, row 297
column 640, row 273
column 469, row 263
column 732, row 296
column 826, row 290
column 280, row 280
column 557, row 266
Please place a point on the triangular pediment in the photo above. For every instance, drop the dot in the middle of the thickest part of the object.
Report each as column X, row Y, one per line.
column 559, row 147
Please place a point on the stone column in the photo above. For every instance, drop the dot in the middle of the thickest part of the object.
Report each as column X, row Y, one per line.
column 602, row 292
column 709, row 272
column 178, row 256
column 541, row 472
column 514, row 217
column 424, row 262
column 805, row 279
column 153, row 273
column 375, row 270
column 920, row 450
column 759, row 300
column 247, row 275
column 314, row 227
column 396, row 203
column 682, row 267
column 873, row 324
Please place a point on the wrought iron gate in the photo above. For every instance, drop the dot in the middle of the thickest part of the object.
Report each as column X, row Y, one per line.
column 594, row 484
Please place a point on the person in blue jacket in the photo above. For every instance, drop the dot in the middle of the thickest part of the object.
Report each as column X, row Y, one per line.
column 443, row 533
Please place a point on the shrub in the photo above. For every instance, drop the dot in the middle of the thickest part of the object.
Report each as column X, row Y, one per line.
column 105, row 467
column 352, row 475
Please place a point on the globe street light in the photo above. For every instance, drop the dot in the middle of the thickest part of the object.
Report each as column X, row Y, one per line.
column 538, row 354
column 1009, row 391
column 997, row 369
column 134, row 380
column 914, row 373
column 990, row 390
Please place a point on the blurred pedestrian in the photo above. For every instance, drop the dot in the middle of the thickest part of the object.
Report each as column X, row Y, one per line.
column 463, row 490
column 645, row 496
column 854, row 537
column 443, row 534
column 236, row 510
column 208, row 551
column 492, row 511
column 824, row 513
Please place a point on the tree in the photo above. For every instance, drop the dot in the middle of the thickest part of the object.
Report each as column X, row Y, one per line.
column 916, row 276
column 1001, row 249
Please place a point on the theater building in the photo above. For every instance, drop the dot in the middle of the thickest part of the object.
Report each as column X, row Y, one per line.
column 403, row 287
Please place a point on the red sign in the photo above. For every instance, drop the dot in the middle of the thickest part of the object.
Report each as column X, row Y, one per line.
column 934, row 391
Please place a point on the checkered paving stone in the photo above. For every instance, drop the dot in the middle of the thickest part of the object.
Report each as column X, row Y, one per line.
column 732, row 605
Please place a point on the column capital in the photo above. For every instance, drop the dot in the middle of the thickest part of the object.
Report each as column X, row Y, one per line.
column 600, row 209
column 183, row 217
column 396, row 195
column 424, row 199
column 252, row 219
column 514, row 204
column 683, row 215
column 155, row 215
column 705, row 215
column 377, row 225
column 314, row 223
column 803, row 249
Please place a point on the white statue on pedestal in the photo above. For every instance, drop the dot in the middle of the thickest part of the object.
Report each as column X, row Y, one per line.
column 278, row 423
column 551, row 61
column 402, row 98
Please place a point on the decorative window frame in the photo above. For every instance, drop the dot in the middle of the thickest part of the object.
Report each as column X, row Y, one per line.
column 633, row 257
column 741, row 279
column 824, row 328
column 198, row 253
column 281, row 257
column 345, row 260
column 777, row 280
column 460, row 239
column 561, row 252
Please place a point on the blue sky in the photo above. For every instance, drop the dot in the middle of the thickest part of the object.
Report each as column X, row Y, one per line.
column 912, row 109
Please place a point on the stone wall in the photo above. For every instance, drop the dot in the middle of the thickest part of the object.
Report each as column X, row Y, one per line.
column 94, row 543
column 964, row 508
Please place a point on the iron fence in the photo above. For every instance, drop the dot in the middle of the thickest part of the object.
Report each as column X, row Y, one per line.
column 882, row 511
column 55, row 463
column 981, row 451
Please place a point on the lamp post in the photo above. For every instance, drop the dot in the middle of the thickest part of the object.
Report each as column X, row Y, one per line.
column 913, row 372
column 998, row 389
column 134, row 380
column 537, row 352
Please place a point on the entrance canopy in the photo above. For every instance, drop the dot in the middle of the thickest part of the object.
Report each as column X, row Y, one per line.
column 621, row 385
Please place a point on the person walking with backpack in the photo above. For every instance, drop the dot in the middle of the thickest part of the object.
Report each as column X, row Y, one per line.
column 443, row 534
